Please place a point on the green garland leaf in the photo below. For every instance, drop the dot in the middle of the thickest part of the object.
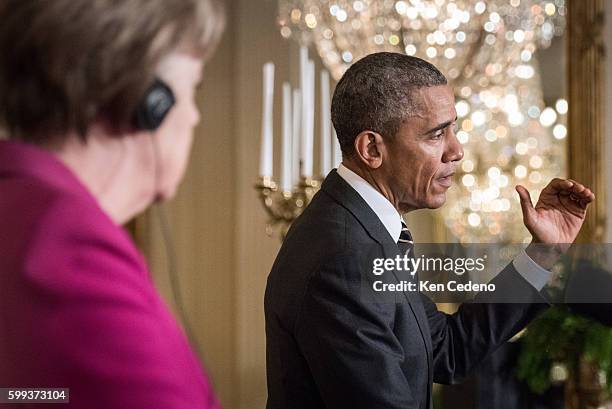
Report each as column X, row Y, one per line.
column 560, row 335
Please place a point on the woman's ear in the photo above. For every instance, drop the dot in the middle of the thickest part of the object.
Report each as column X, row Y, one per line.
column 369, row 149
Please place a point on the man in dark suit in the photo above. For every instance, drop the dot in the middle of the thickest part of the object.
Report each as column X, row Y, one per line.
column 330, row 344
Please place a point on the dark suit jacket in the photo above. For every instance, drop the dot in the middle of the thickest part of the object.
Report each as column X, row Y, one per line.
column 329, row 346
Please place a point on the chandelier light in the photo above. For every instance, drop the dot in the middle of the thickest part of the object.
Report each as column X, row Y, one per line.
column 463, row 38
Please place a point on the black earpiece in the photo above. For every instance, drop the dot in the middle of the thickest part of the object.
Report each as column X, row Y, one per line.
column 154, row 106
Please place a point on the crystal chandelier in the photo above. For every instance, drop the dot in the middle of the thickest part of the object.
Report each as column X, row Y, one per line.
column 466, row 39
column 509, row 137
column 486, row 50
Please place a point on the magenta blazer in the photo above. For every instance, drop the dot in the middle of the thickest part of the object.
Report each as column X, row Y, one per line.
column 78, row 308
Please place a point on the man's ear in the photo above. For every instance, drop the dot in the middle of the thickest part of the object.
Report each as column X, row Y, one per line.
column 369, row 149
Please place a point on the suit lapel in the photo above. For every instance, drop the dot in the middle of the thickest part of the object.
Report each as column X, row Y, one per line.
column 391, row 250
column 346, row 196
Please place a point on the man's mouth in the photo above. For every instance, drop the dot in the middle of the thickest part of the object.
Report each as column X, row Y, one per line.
column 446, row 180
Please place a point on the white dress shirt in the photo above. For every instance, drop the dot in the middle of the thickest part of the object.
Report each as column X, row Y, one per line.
column 392, row 220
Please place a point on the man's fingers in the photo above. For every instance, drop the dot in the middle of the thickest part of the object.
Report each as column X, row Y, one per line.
column 584, row 200
column 591, row 195
column 578, row 188
column 584, row 195
column 580, row 193
column 560, row 186
column 569, row 187
column 526, row 203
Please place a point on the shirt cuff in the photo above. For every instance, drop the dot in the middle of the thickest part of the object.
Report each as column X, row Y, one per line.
column 531, row 271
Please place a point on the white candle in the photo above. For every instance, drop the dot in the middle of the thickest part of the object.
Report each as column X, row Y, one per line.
column 287, row 128
column 305, row 147
column 304, row 104
column 337, row 151
column 308, row 123
column 296, row 135
column 325, row 125
column 266, row 155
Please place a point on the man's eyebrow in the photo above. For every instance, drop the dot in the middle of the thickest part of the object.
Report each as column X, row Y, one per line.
column 441, row 126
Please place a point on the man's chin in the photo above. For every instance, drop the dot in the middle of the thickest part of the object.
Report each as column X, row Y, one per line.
column 437, row 201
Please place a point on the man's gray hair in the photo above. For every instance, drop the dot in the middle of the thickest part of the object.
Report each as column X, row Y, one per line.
column 377, row 94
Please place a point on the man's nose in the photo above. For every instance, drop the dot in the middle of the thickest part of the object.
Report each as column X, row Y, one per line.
column 454, row 150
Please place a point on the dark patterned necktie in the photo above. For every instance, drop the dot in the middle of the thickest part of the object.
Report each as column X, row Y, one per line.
column 405, row 242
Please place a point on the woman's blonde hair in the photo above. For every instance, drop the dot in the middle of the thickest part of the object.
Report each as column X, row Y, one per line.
column 66, row 63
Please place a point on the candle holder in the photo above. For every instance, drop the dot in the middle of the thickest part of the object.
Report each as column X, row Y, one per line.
column 284, row 207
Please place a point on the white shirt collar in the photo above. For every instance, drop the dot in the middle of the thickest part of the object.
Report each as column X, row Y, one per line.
column 383, row 208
